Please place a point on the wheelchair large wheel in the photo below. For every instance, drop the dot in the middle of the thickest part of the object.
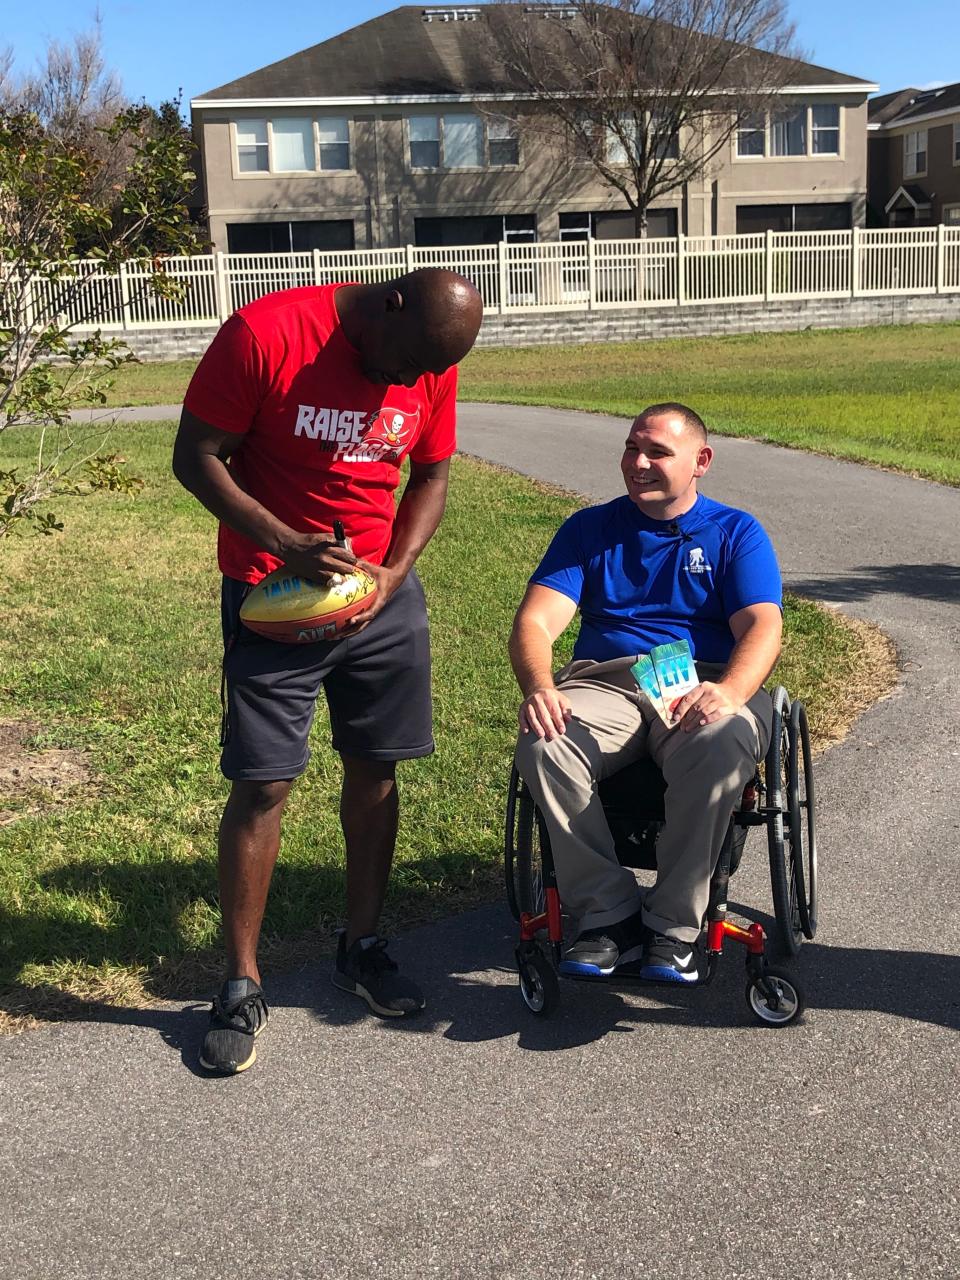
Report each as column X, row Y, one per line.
column 783, row 881
column 522, row 857
column 803, row 820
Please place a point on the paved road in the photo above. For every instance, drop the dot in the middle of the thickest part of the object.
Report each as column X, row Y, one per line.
column 633, row 1135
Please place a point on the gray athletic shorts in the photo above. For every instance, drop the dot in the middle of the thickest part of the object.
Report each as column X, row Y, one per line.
column 377, row 686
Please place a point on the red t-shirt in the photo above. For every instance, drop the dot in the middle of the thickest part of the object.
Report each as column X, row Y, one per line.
column 321, row 441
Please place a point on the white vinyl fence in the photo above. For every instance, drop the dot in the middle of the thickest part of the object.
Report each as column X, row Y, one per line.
column 551, row 276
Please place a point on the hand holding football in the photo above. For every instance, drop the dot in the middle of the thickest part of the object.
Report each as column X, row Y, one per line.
column 294, row 610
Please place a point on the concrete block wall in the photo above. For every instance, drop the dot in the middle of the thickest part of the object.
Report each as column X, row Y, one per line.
column 540, row 329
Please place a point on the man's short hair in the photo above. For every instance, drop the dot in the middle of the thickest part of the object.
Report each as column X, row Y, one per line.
column 691, row 421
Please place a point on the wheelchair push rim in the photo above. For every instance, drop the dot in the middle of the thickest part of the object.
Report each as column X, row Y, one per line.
column 803, row 820
column 522, row 851
column 783, row 880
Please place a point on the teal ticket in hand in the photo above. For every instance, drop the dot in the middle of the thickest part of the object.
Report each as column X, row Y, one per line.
column 676, row 672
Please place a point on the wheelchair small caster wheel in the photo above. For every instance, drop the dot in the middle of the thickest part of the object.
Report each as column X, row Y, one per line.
column 774, row 999
column 539, row 985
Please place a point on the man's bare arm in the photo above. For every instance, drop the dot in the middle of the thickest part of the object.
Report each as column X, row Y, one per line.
column 200, row 455
column 544, row 614
column 757, row 632
column 418, row 514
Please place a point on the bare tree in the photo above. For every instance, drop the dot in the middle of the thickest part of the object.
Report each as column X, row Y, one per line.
column 87, row 183
column 649, row 92
column 76, row 97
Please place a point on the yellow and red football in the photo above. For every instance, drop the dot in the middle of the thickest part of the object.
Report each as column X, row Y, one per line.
column 297, row 611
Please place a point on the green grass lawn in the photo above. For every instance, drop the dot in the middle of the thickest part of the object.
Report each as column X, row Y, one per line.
column 110, row 647
column 889, row 396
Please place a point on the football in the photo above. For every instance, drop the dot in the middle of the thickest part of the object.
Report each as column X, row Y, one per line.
column 294, row 610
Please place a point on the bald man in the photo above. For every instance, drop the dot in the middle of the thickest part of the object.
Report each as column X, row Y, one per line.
column 301, row 413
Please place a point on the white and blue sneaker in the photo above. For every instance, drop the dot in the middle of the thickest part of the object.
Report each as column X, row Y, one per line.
column 598, row 952
column 667, row 960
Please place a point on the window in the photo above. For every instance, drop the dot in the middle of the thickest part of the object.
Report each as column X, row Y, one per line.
column 616, row 224
column 826, row 129
column 503, row 143
column 518, row 228
column 459, row 140
column 789, row 137
column 829, row 216
column 915, row 154
column 575, row 226
column 462, row 142
column 292, row 145
column 615, row 145
column 951, row 215
column 956, row 144
column 812, row 130
column 252, row 151
column 667, row 144
column 333, row 133
column 288, row 237
column 289, row 144
column 618, row 142
column 424, row 142
column 751, row 136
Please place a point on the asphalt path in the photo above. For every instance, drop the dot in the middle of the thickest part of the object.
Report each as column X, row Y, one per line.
column 638, row 1132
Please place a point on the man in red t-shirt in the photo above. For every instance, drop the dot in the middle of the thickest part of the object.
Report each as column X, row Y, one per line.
column 301, row 413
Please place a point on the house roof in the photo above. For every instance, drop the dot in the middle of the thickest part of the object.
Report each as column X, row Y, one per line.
column 914, row 195
column 402, row 54
column 906, row 105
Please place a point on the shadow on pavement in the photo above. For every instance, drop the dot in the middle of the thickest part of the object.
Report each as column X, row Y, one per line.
column 466, row 967
column 470, row 980
column 919, row 581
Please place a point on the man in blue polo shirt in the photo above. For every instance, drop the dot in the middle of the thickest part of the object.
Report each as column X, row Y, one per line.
column 662, row 563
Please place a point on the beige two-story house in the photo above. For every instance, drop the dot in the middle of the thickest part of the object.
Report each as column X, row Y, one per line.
column 914, row 157
column 391, row 134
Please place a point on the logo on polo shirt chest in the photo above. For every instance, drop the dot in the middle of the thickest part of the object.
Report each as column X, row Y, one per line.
column 697, row 562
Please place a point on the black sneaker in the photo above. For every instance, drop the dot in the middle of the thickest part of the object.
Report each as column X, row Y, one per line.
column 667, row 960
column 367, row 971
column 238, row 1016
column 597, row 952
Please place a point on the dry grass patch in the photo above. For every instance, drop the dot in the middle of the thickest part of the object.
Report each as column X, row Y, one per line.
column 34, row 778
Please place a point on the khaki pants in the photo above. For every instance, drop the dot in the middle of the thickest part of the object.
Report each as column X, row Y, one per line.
column 705, row 772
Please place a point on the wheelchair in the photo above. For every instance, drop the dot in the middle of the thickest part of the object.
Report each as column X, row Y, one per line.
column 780, row 797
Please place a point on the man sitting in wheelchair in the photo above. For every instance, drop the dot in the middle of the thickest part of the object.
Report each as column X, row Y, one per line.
column 660, row 564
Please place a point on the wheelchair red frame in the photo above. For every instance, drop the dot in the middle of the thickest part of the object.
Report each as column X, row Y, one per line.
column 780, row 797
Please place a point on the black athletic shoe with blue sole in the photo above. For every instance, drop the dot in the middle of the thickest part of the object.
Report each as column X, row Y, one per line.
column 598, row 953
column 667, row 960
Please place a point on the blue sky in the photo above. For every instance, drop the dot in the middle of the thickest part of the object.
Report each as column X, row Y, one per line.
column 160, row 46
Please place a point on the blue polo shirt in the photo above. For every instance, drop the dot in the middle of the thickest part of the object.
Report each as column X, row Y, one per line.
column 640, row 582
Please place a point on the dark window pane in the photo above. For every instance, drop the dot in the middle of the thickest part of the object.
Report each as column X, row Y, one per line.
column 521, row 227
column 574, row 226
column 661, row 222
column 504, row 151
column 750, row 142
column 764, row 217
column 435, row 232
column 821, row 217
column 614, row 226
column 334, row 155
column 424, row 155
column 258, row 237
column 322, row 235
